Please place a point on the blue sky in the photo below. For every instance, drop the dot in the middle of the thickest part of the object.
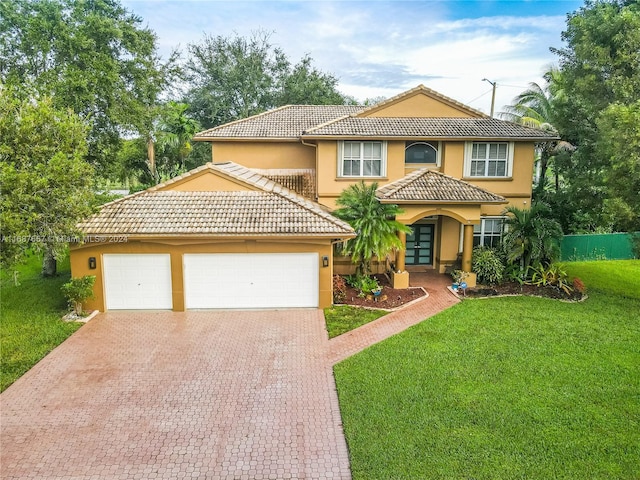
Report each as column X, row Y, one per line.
column 381, row 48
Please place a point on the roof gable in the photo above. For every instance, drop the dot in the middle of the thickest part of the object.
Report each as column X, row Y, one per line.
column 258, row 207
column 429, row 186
column 420, row 102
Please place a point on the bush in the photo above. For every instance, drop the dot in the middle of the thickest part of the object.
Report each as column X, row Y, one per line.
column 78, row 290
column 579, row 286
column 339, row 289
column 553, row 275
column 363, row 283
column 488, row 265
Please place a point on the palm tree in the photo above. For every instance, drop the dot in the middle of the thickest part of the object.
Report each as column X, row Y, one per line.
column 374, row 223
column 535, row 107
column 532, row 237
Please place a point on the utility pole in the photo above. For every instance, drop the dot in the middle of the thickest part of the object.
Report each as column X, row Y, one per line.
column 493, row 95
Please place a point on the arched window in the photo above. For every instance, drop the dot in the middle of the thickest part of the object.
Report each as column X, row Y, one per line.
column 421, row 152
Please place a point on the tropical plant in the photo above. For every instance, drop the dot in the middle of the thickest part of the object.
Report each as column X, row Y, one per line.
column 551, row 275
column 78, row 290
column 532, row 237
column 339, row 289
column 535, row 107
column 487, row 265
column 374, row 223
column 365, row 284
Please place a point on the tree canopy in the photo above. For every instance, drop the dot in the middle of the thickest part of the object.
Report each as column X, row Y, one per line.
column 47, row 184
column 93, row 57
column 236, row 77
column 599, row 69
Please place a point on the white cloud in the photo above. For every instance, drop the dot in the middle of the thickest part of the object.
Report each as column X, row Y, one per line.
column 381, row 48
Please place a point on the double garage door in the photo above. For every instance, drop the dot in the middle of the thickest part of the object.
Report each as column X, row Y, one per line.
column 225, row 280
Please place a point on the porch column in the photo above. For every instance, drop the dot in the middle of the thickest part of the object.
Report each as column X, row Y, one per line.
column 401, row 255
column 467, row 248
column 400, row 280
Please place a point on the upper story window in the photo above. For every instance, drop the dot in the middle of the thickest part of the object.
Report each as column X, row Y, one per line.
column 362, row 159
column 489, row 159
column 421, row 153
column 489, row 232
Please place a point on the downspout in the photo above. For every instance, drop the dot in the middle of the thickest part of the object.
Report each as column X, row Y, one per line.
column 314, row 145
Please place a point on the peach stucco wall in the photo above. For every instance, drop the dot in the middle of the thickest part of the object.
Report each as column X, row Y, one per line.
column 177, row 248
column 418, row 105
column 207, row 181
column 261, row 154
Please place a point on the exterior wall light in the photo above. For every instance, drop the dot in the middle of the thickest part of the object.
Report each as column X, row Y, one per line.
column 325, row 261
column 92, row 263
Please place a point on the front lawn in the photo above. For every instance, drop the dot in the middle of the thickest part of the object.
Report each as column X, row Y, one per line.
column 341, row 319
column 31, row 323
column 504, row 388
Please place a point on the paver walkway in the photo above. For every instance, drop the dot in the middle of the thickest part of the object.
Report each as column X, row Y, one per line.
column 237, row 395
column 439, row 298
column 206, row 395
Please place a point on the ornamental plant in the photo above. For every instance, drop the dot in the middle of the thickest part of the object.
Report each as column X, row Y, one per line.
column 79, row 290
column 374, row 223
column 488, row 265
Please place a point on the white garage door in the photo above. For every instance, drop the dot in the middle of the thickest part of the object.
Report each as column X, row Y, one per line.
column 137, row 281
column 251, row 280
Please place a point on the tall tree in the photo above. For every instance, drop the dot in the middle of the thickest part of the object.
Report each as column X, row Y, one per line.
column 535, row 107
column 600, row 70
column 374, row 222
column 236, row 77
column 92, row 56
column 47, row 184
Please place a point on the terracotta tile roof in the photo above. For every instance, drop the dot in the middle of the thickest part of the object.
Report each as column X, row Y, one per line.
column 414, row 127
column 270, row 210
column 301, row 181
column 426, row 185
column 284, row 122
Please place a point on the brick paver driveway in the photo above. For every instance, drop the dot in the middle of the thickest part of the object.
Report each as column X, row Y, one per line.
column 179, row 395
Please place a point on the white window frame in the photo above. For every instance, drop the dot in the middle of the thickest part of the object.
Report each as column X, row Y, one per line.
column 468, row 151
column 483, row 234
column 436, row 145
column 383, row 159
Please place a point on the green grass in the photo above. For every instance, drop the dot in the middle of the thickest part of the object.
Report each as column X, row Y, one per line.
column 30, row 314
column 613, row 277
column 509, row 388
column 341, row 319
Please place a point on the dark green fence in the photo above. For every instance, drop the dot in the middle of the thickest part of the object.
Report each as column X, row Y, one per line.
column 610, row 246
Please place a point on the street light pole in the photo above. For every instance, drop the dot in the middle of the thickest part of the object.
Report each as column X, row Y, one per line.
column 493, row 94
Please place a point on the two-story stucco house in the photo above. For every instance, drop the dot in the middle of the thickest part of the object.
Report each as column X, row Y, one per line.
column 451, row 168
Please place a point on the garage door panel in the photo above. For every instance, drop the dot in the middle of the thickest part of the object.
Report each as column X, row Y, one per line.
column 251, row 280
column 137, row 281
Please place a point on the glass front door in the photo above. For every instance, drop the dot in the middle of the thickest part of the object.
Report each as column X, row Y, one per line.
column 420, row 245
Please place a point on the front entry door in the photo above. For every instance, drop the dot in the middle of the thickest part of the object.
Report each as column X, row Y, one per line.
column 420, row 245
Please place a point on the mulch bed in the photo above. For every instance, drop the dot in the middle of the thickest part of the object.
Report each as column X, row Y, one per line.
column 390, row 298
column 513, row 288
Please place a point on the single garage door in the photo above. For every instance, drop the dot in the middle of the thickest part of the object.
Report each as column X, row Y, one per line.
column 251, row 280
column 137, row 281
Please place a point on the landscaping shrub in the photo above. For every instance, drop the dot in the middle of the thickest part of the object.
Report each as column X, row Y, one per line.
column 363, row 283
column 487, row 265
column 553, row 275
column 78, row 290
column 339, row 289
column 579, row 286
